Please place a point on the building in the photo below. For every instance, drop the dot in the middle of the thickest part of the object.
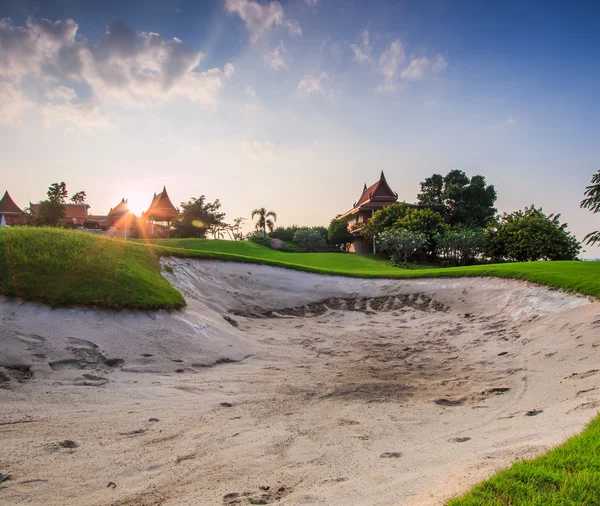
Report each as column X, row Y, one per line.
column 160, row 213
column 76, row 214
column 11, row 212
column 375, row 197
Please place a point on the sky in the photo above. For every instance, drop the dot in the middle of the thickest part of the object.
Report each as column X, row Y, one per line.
column 295, row 105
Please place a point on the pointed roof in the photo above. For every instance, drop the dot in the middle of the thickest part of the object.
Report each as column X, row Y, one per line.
column 161, row 208
column 121, row 208
column 379, row 191
column 8, row 206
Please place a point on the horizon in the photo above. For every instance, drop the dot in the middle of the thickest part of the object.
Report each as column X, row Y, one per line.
column 293, row 106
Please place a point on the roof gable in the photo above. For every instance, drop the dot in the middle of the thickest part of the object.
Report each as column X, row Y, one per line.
column 161, row 208
column 8, row 206
column 379, row 191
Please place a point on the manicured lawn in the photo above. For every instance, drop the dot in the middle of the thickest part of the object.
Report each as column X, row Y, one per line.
column 567, row 476
column 63, row 267
column 581, row 277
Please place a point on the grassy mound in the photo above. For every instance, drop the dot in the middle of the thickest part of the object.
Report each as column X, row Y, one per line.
column 567, row 475
column 581, row 277
column 63, row 267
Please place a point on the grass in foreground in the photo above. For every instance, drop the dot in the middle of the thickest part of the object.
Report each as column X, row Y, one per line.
column 568, row 476
column 581, row 277
column 63, row 267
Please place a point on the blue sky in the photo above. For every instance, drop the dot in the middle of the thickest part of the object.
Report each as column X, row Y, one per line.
column 294, row 105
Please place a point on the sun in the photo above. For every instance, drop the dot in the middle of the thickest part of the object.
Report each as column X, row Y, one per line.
column 137, row 203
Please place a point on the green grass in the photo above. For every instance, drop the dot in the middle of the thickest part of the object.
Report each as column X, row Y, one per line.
column 63, row 267
column 567, row 476
column 581, row 277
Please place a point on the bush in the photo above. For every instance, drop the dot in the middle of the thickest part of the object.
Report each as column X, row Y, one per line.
column 461, row 245
column 424, row 221
column 530, row 235
column 400, row 244
column 310, row 239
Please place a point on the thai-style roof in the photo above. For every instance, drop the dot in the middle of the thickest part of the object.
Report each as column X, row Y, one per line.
column 120, row 209
column 376, row 196
column 161, row 208
column 8, row 206
column 73, row 211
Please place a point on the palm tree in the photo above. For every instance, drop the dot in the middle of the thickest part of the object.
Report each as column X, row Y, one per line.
column 264, row 220
column 592, row 202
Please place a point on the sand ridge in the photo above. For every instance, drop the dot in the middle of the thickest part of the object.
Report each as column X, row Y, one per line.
column 281, row 387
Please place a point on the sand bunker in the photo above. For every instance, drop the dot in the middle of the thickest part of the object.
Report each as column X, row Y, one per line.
column 280, row 387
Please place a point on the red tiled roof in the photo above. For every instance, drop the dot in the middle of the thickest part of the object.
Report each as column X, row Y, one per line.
column 8, row 206
column 161, row 208
column 119, row 209
column 378, row 191
column 74, row 211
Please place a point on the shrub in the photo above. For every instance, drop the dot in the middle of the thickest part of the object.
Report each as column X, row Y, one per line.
column 461, row 245
column 400, row 244
column 310, row 239
column 424, row 221
column 530, row 235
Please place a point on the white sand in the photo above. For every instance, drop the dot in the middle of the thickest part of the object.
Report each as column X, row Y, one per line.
column 333, row 404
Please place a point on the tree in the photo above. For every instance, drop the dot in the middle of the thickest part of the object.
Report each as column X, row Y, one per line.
column 592, row 202
column 383, row 219
column 50, row 213
column 57, row 192
column 530, row 235
column 310, row 239
column 462, row 201
column 264, row 220
column 461, row 245
column 197, row 217
column 338, row 233
column 79, row 198
column 424, row 221
column 235, row 230
column 400, row 243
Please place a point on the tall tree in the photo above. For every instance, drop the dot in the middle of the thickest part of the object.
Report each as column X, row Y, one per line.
column 57, row 193
column 197, row 217
column 79, row 198
column 264, row 220
column 338, row 233
column 462, row 201
column 592, row 202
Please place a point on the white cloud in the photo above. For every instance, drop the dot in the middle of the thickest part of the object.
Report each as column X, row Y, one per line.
column 389, row 64
column 127, row 67
column 362, row 52
column 62, row 94
column 260, row 18
column 420, row 67
column 253, row 100
column 511, row 121
column 260, row 151
column 276, row 59
column 311, row 84
column 312, row 3
column 12, row 103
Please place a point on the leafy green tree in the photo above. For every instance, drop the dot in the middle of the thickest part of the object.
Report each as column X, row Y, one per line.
column 79, row 198
column 310, row 239
column 424, row 221
column 57, row 192
column 462, row 201
column 50, row 213
column 400, row 244
column 339, row 234
column 197, row 217
column 264, row 220
column 530, row 235
column 592, row 202
column 461, row 245
column 383, row 219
